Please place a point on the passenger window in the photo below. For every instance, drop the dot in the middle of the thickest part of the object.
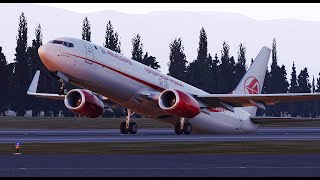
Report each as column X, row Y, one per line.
column 103, row 51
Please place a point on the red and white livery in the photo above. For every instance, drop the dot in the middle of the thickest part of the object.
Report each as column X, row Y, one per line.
column 109, row 79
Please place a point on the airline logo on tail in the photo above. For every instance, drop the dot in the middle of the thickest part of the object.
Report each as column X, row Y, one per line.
column 251, row 85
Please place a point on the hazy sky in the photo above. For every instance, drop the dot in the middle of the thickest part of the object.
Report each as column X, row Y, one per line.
column 260, row 11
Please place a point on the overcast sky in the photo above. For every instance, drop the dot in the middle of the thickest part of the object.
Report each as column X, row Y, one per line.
column 259, row 11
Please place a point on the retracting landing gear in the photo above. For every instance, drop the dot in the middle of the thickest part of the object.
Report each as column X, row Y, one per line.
column 62, row 90
column 128, row 126
column 182, row 127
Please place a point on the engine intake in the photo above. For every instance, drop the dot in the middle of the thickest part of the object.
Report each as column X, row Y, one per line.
column 178, row 103
column 84, row 103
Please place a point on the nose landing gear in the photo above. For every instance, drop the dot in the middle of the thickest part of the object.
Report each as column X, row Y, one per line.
column 62, row 90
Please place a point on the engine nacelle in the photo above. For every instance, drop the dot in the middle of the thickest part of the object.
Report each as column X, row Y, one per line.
column 84, row 103
column 179, row 103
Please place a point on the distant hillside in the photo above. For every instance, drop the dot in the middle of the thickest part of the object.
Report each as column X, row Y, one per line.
column 296, row 40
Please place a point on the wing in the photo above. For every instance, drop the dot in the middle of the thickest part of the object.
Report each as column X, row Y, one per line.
column 109, row 104
column 258, row 100
column 277, row 120
column 34, row 86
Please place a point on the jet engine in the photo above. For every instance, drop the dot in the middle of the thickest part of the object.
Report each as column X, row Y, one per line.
column 178, row 103
column 84, row 103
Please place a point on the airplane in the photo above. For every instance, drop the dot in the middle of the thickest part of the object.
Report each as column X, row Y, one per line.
column 109, row 79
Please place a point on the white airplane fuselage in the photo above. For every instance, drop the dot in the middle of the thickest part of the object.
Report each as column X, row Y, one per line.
column 119, row 78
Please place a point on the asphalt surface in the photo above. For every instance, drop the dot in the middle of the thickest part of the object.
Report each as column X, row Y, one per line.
column 247, row 165
column 148, row 135
column 156, row 165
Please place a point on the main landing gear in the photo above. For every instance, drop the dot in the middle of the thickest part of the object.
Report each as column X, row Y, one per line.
column 128, row 126
column 62, row 90
column 183, row 127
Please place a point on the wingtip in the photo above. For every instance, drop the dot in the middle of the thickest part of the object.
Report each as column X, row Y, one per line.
column 34, row 83
column 267, row 48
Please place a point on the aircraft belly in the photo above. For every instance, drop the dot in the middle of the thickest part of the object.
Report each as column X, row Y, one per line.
column 215, row 123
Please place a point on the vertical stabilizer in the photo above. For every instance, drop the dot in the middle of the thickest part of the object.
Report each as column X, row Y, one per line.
column 252, row 81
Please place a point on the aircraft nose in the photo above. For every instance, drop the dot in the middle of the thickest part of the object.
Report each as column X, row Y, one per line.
column 46, row 57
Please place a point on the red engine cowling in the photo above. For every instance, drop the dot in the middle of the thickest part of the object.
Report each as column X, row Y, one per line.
column 84, row 103
column 179, row 103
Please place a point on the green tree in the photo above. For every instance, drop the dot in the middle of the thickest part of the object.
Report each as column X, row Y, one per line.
column 150, row 61
column 20, row 83
column 226, row 70
column 177, row 60
column 201, row 64
column 112, row 40
column 137, row 52
column 86, row 30
column 304, row 107
column 293, row 89
column 4, row 79
column 214, row 73
column 278, row 81
column 240, row 67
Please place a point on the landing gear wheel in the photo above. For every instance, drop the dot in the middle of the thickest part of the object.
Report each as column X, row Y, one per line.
column 123, row 128
column 133, row 128
column 187, row 128
column 65, row 91
column 177, row 128
column 62, row 90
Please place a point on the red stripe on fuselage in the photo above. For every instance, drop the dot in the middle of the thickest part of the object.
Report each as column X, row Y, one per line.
column 122, row 73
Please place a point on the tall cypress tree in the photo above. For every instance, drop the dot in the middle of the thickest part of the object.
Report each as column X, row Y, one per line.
column 278, row 81
column 137, row 45
column 201, row 64
column 177, row 60
column 293, row 89
column 4, row 79
column 86, row 30
column 284, row 88
column 21, row 70
column 35, row 64
column 226, row 70
column 214, row 73
column 240, row 67
column 112, row 40
column 305, row 107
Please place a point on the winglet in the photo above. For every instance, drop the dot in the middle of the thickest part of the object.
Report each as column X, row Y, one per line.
column 34, row 83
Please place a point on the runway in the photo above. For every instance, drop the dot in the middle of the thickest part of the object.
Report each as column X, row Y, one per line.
column 148, row 135
column 183, row 165
column 161, row 165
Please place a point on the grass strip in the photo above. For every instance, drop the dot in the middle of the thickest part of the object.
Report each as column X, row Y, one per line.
column 233, row 147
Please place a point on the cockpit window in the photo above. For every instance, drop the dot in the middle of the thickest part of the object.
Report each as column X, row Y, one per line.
column 67, row 44
column 56, row 42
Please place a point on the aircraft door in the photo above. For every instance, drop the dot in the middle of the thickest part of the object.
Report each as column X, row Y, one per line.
column 89, row 52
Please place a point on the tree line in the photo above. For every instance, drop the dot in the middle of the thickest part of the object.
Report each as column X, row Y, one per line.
column 214, row 74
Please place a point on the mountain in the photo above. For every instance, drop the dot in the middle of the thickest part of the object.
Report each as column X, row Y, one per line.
column 297, row 40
